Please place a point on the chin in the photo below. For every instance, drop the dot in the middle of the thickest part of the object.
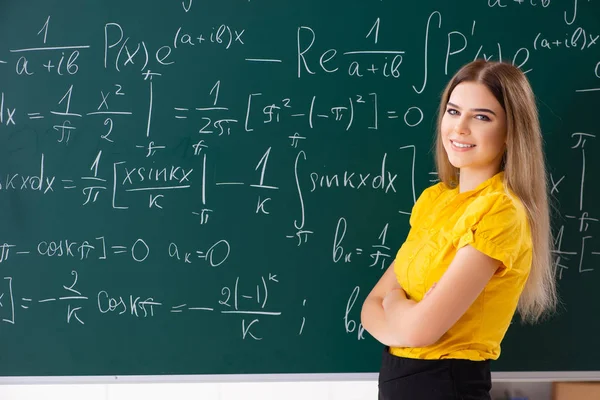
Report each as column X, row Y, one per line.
column 455, row 163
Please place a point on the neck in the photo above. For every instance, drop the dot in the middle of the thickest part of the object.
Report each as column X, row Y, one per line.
column 470, row 179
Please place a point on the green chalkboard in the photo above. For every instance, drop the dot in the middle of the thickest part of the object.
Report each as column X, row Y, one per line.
column 214, row 187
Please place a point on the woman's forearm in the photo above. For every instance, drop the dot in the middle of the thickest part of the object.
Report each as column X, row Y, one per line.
column 374, row 321
column 399, row 314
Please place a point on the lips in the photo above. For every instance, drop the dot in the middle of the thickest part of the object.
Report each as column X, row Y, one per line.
column 454, row 142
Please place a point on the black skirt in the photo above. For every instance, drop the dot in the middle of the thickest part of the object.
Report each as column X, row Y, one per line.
column 449, row 379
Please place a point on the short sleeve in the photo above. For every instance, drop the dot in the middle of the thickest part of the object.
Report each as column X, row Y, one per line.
column 494, row 225
column 424, row 202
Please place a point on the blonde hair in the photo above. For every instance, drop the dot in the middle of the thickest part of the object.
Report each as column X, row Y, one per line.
column 524, row 172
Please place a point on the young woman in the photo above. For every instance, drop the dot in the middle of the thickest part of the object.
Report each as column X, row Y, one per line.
column 478, row 249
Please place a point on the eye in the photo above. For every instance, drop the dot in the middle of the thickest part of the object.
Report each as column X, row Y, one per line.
column 483, row 117
column 452, row 111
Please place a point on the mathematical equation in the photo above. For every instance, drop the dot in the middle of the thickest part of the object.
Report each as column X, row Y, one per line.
column 248, row 301
column 364, row 108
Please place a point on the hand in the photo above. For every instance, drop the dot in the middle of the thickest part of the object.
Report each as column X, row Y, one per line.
column 394, row 294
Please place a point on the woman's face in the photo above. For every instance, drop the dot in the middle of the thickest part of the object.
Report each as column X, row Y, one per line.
column 474, row 129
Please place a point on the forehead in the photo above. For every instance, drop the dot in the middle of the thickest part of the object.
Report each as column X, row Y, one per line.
column 474, row 95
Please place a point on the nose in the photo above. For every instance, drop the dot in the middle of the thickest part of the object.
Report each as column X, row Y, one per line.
column 462, row 127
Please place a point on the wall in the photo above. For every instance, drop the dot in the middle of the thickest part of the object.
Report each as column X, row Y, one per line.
column 331, row 390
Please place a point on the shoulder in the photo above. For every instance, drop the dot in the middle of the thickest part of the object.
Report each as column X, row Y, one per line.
column 498, row 207
column 499, row 217
column 497, row 225
column 432, row 193
column 426, row 199
column 436, row 189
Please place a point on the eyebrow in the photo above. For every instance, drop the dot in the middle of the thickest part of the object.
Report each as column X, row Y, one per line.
column 475, row 109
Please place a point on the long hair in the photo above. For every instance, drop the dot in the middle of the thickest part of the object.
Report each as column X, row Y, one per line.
column 524, row 169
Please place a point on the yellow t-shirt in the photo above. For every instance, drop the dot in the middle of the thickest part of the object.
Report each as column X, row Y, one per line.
column 444, row 220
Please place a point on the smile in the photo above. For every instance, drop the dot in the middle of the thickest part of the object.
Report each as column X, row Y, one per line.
column 461, row 145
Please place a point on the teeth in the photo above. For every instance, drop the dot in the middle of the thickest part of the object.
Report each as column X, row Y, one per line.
column 462, row 145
